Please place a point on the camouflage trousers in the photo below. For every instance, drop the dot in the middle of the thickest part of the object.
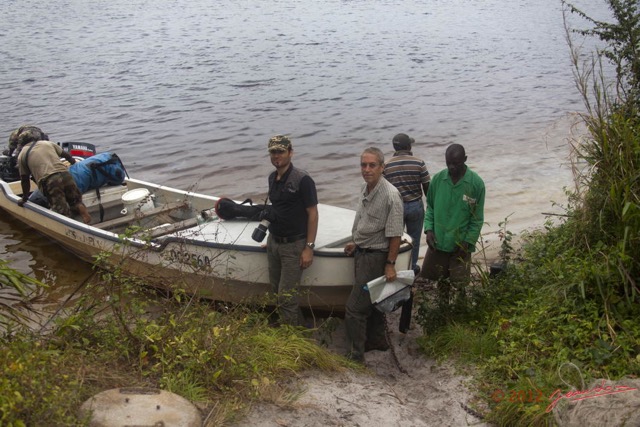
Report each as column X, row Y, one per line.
column 62, row 192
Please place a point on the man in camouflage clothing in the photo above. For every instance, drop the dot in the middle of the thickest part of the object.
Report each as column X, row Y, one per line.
column 10, row 168
column 15, row 135
column 41, row 158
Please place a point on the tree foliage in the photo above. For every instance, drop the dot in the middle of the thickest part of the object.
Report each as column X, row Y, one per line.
column 606, row 211
column 622, row 37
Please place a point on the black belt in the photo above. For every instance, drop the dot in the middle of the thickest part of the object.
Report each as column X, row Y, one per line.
column 370, row 251
column 288, row 239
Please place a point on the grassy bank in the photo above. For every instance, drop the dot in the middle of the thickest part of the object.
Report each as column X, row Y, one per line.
column 117, row 335
column 565, row 310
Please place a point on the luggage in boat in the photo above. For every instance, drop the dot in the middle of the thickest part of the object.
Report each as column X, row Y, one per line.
column 228, row 209
column 97, row 171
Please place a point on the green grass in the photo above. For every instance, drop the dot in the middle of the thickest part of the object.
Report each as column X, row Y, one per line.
column 222, row 361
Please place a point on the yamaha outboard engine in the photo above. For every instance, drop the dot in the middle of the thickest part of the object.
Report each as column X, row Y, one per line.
column 79, row 150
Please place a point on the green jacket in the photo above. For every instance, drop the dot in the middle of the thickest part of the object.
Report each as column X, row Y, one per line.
column 455, row 213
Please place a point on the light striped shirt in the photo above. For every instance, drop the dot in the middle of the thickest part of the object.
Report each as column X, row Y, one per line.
column 408, row 174
column 379, row 216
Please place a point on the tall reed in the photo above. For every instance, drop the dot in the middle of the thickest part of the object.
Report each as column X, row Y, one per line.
column 606, row 213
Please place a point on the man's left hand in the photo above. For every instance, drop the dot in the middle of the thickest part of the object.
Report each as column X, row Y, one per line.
column 463, row 250
column 22, row 202
column 306, row 258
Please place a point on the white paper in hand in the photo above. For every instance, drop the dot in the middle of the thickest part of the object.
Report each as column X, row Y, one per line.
column 380, row 289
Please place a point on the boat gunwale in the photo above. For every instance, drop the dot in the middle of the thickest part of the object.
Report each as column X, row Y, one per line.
column 160, row 243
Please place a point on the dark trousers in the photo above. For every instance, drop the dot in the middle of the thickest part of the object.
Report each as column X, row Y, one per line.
column 362, row 321
column 439, row 265
column 446, row 265
column 414, row 221
column 284, row 275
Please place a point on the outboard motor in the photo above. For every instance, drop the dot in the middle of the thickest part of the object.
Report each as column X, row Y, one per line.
column 80, row 150
column 9, row 168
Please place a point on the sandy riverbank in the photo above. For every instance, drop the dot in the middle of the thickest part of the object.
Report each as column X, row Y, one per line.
column 426, row 394
column 413, row 391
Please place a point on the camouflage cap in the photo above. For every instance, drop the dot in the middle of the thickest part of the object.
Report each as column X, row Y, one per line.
column 26, row 134
column 279, row 142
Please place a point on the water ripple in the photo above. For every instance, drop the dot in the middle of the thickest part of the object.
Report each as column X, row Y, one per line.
column 189, row 92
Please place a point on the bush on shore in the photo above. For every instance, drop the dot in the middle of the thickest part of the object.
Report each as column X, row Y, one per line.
column 117, row 335
column 565, row 309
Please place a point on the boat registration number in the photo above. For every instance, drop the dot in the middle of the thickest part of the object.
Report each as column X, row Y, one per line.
column 186, row 257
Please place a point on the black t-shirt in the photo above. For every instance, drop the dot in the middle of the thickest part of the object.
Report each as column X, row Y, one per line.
column 290, row 198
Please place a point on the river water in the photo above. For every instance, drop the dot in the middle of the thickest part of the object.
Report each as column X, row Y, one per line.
column 187, row 93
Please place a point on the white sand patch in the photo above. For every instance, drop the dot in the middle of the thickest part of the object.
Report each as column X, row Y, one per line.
column 427, row 395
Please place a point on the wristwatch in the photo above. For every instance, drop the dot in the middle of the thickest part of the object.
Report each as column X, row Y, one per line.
column 311, row 245
column 390, row 262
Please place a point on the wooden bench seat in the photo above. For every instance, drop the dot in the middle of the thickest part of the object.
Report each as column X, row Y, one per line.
column 172, row 228
column 132, row 218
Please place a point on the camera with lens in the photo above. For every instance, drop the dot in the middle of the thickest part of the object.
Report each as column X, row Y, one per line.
column 266, row 217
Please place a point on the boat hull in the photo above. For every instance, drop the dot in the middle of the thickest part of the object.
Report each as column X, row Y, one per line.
column 174, row 247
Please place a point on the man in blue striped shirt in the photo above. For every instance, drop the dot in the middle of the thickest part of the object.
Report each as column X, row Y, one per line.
column 410, row 176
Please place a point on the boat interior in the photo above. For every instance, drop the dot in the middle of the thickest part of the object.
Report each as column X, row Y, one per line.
column 144, row 214
column 158, row 215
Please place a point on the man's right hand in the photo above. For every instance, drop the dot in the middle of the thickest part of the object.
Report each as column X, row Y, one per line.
column 431, row 240
column 22, row 202
column 350, row 248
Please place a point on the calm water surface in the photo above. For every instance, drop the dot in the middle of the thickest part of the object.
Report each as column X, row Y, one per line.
column 188, row 93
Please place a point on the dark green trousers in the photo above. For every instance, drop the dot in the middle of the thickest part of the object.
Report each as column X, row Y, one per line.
column 362, row 321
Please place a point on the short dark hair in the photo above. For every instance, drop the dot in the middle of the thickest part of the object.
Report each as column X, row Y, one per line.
column 456, row 149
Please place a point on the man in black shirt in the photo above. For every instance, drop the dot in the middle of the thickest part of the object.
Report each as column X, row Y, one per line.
column 293, row 227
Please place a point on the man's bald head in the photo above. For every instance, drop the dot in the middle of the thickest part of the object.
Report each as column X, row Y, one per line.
column 456, row 158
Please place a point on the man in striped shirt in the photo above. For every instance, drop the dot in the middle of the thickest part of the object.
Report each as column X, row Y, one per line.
column 410, row 176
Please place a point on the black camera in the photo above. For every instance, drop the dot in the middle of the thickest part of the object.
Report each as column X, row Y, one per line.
column 266, row 217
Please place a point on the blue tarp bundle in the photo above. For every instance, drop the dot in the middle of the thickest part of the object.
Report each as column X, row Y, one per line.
column 96, row 171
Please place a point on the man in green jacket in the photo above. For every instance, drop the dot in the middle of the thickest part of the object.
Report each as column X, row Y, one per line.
column 454, row 218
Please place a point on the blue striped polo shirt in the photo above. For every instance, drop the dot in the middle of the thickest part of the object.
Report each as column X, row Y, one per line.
column 407, row 173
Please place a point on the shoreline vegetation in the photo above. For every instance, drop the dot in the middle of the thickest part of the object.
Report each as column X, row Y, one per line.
column 561, row 311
